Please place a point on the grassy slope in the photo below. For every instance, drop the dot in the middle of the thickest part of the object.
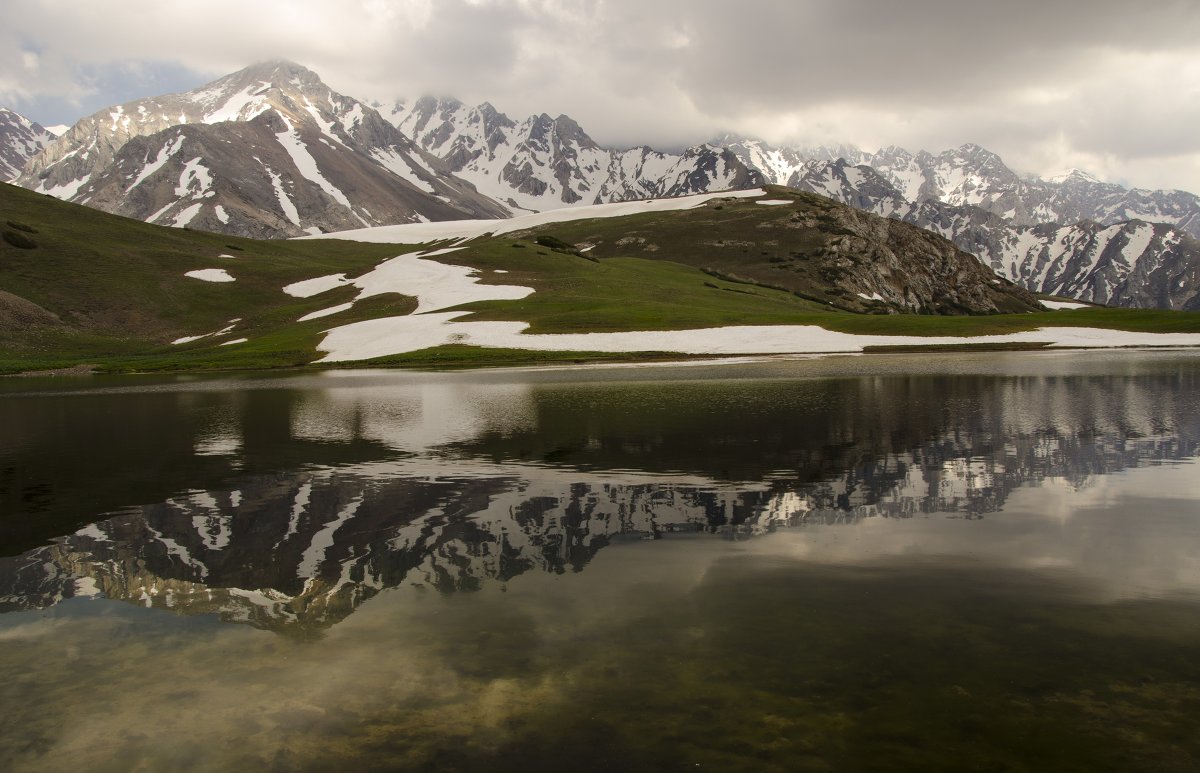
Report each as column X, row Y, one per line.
column 118, row 287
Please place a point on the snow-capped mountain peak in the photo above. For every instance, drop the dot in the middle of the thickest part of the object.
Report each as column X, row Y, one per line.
column 269, row 150
column 20, row 140
column 1073, row 176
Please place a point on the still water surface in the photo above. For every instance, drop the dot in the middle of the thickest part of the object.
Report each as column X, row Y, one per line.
column 968, row 562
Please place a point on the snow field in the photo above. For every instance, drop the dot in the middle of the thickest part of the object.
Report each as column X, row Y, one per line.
column 434, row 285
column 1060, row 305
column 398, row 335
column 188, row 339
column 315, row 286
column 210, row 275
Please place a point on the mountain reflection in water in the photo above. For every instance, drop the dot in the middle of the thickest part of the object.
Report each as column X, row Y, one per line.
column 288, row 504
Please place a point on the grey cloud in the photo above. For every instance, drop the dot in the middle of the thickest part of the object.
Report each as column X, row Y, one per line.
column 921, row 51
column 922, row 73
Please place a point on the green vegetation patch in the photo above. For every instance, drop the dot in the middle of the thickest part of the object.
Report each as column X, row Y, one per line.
column 575, row 295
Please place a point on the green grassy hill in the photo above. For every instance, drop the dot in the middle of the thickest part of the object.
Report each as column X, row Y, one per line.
column 79, row 286
column 103, row 289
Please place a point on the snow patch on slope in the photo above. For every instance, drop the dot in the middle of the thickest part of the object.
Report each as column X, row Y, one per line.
column 185, row 216
column 290, row 141
column 401, row 167
column 326, row 312
column 164, row 154
column 315, row 286
column 210, row 274
column 285, row 203
column 435, row 285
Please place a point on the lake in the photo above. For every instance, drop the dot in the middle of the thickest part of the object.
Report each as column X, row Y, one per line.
column 948, row 562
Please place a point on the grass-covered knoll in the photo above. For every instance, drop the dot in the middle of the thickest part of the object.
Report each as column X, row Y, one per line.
column 808, row 245
column 575, row 294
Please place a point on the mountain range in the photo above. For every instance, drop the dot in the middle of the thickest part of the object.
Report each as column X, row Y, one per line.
column 543, row 163
column 1072, row 236
column 271, row 151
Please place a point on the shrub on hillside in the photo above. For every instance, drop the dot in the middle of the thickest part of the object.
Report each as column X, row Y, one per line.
column 556, row 244
column 18, row 240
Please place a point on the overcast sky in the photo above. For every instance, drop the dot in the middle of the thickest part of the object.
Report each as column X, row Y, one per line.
column 1112, row 87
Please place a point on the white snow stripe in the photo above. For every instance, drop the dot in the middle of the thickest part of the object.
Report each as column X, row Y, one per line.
column 418, row 233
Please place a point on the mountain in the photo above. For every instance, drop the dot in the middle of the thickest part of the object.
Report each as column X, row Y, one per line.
column 267, row 151
column 20, row 140
column 1071, row 236
column 545, row 163
column 1132, row 263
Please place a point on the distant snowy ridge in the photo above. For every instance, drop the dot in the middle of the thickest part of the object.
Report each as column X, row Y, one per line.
column 543, row 163
column 971, row 175
column 1071, row 236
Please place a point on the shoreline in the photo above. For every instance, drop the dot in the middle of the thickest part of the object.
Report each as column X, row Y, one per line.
column 599, row 360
